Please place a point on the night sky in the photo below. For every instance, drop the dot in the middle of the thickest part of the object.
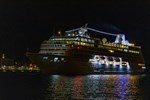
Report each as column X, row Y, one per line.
column 26, row 24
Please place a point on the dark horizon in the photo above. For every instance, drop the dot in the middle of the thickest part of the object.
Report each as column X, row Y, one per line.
column 26, row 24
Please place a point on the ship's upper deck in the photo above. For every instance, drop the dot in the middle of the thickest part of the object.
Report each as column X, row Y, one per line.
column 81, row 37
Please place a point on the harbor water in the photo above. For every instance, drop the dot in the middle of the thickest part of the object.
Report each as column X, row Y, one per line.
column 28, row 86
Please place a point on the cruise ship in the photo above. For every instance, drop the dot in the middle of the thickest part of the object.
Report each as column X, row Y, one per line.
column 80, row 52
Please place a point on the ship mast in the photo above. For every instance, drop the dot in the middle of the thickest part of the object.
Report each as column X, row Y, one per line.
column 54, row 31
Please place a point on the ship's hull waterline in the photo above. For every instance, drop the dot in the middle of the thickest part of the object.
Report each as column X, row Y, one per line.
column 66, row 65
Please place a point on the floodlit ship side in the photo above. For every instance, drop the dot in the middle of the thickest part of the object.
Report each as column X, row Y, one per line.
column 79, row 53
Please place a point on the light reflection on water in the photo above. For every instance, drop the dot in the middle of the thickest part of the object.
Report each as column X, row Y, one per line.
column 99, row 87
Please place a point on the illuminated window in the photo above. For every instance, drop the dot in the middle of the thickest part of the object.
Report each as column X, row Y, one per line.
column 55, row 59
column 62, row 58
column 45, row 57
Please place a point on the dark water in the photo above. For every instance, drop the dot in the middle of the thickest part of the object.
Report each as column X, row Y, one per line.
column 90, row 87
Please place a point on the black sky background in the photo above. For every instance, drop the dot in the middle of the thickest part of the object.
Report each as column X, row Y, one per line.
column 25, row 24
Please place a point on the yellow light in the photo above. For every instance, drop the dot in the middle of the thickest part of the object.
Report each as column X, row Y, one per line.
column 59, row 32
column 141, row 64
column 111, row 51
column 30, row 65
column 3, row 56
column 30, row 68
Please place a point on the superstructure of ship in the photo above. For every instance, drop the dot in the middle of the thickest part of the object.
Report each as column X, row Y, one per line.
column 78, row 52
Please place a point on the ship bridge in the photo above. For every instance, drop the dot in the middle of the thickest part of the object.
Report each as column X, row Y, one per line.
column 82, row 31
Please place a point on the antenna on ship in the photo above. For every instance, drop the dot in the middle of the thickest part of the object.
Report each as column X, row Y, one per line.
column 54, row 31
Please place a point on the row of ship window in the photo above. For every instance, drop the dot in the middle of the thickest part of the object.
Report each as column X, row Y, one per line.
column 54, row 45
column 66, row 45
column 68, row 39
column 51, row 53
column 119, row 49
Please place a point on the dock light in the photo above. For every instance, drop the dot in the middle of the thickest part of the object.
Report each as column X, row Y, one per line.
column 3, row 56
